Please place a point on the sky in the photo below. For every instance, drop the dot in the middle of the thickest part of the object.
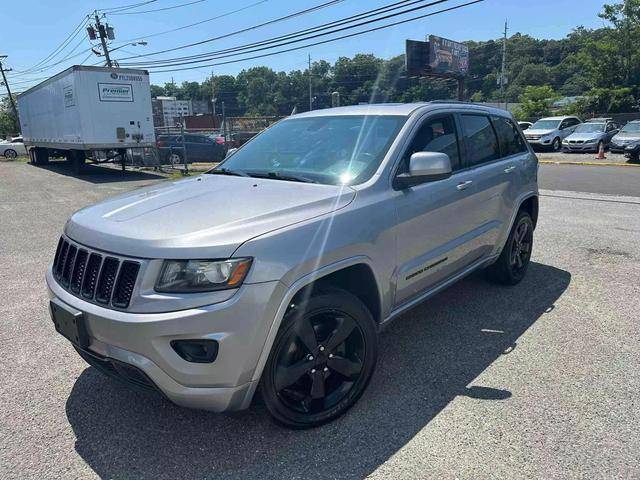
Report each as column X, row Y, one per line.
column 35, row 28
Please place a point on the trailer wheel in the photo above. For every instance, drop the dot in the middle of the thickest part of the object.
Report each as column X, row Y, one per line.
column 40, row 156
column 77, row 158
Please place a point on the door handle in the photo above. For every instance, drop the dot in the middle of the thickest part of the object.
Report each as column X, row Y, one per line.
column 510, row 169
column 464, row 185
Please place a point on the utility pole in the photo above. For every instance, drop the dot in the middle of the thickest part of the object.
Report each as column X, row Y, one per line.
column 503, row 79
column 6, row 84
column 310, row 87
column 213, row 94
column 102, row 32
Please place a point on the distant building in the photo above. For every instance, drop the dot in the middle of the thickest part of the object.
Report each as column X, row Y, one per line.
column 167, row 111
column 201, row 107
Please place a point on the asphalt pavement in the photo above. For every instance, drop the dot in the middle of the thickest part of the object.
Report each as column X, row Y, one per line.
column 540, row 380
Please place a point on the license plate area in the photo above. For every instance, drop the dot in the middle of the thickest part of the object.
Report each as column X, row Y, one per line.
column 70, row 325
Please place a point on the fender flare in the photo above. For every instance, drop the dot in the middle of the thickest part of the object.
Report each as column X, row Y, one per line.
column 293, row 289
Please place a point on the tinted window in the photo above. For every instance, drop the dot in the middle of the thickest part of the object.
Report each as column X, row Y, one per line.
column 482, row 142
column 511, row 142
column 436, row 135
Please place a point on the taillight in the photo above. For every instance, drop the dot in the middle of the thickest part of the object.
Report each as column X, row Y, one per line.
column 220, row 140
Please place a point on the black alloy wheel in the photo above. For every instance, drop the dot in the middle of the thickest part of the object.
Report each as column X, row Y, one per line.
column 511, row 266
column 321, row 361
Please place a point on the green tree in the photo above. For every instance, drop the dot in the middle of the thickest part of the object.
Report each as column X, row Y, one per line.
column 536, row 101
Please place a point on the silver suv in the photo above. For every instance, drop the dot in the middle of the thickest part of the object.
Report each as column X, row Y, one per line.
column 277, row 269
column 549, row 132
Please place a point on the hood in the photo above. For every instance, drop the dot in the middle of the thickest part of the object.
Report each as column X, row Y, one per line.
column 627, row 136
column 542, row 133
column 586, row 136
column 208, row 216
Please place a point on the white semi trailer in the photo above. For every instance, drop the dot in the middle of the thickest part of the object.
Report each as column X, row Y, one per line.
column 87, row 112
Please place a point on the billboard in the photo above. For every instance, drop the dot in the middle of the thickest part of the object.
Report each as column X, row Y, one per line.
column 416, row 57
column 448, row 57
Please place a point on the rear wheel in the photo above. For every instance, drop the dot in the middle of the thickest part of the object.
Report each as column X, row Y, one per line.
column 511, row 266
column 175, row 159
column 321, row 361
column 77, row 159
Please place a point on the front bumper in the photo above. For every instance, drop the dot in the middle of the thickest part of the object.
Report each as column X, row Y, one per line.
column 240, row 326
column 580, row 147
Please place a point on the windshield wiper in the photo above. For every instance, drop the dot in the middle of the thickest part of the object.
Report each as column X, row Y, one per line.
column 226, row 171
column 283, row 176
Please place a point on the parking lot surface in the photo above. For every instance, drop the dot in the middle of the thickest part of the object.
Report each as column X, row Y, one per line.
column 538, row 380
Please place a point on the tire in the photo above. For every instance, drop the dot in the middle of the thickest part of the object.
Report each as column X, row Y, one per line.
column 10, row 153
column 556, row 145
column 321, row 361
column 77, row 159
column 40, row 156
column 174, row 159
column 512, row 265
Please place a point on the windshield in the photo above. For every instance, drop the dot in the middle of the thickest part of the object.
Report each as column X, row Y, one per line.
column 546, row 125
column 631, row 128
column 590, row 128
column 332, row 150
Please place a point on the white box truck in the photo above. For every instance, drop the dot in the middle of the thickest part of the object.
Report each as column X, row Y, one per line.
column 87, row 112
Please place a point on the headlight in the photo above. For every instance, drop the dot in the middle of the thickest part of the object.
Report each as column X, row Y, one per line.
column 189, row 276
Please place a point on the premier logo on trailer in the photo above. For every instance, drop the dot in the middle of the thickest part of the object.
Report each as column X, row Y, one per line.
column 115, row 92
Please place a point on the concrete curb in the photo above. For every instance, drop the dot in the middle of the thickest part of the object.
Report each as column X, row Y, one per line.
column 590, row 164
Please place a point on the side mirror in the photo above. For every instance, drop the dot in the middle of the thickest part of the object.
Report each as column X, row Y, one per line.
column 425, row 167
column 230, row 152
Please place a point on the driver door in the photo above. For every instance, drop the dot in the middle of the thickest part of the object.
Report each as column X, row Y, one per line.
column 433, row 217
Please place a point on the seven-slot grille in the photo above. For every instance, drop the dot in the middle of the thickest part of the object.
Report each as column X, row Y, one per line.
column 104, row 279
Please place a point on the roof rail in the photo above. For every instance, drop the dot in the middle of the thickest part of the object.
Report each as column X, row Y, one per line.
column 460, row 102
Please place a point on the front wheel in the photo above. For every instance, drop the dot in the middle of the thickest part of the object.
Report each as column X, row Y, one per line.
column 511, row 266
column 10, row 153
column 321, row 361
column 556, row 145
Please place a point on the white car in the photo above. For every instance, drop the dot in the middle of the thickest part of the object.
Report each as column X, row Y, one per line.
column 13, row 148
column 549, row 132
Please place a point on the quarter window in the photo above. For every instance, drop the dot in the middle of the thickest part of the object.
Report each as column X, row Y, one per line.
column 511, row 142
column 482, row 144
column 436, row 135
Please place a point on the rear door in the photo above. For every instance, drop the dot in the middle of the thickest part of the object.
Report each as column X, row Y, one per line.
column 496, row 154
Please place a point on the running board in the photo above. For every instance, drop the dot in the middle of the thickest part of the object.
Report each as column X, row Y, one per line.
column 429, row 293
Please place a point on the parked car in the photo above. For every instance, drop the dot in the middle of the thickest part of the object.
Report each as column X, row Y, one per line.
column 199, row 147
column 632, row 151
column 591, row 135
column 279, row 267
column 549, row 132
column 628, row 134
column 525, row 125
column 13, row 148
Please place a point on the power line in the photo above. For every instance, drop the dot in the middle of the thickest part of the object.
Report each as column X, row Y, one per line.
column 273, row 43
column 156, row 34
column 381, row 27
column 324, row 26
column 126, row 7
column 60, row 47
column 159, row 9
column 254, row 27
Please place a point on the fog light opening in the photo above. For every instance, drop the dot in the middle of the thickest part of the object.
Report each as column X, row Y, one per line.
column 197, row 350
